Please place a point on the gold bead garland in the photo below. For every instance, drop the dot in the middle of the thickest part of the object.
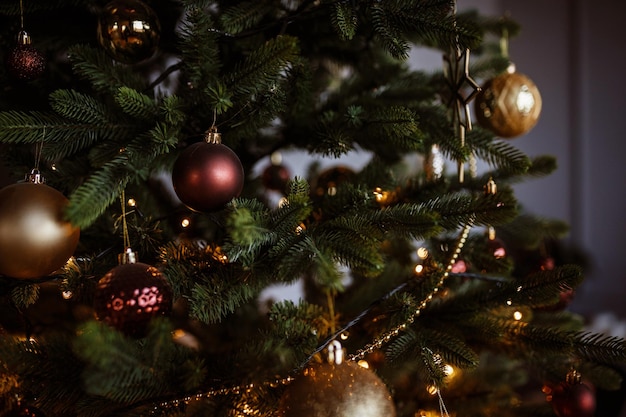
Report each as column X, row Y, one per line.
column 386, row 338
column 360, row 354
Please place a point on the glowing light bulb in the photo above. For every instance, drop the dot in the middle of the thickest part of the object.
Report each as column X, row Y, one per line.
column 422, row 253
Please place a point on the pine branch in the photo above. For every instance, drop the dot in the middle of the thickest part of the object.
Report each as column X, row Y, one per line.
column 79, row 107
column 199, row 48
column 28, row 127
column 263, row 66
column 609, row 350
column 135, row 104
column 456, row 210
column 102, row 188
column 387, row 32
column 244, row 16
column 344, row 20
column 219, row 293
column 500, row 154
column 104, row 75
column 351, row 244
column 123, row 370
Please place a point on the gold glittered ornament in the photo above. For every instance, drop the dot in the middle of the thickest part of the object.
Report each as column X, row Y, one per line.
column 336, row 388
column 35, row 238
column 129, row 31
column 509, row 104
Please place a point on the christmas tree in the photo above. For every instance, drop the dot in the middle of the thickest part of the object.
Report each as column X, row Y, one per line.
column 146, row 213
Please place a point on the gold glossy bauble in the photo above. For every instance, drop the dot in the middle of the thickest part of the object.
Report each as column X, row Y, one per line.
column 330, row 390
column 129, row 31
column 509, row 105
column 35, row 240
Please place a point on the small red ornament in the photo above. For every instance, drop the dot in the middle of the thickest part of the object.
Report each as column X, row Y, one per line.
column 207, row 174
column 25, row 62
column 571, row 398
column 328, row 180
column 130, row 295
column 276, row 176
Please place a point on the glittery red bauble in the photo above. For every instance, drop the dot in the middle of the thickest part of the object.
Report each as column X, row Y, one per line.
column 276, row 177
column 573, row 400
column 206, row 176
column 130, row 295
column 344, row 390
column 26, row 63
column 35, row 238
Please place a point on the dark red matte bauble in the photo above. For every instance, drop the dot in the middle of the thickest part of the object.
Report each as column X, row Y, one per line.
column 130, row 295
column 573, row 400
column 26, row 63
column 276, row 177
column 206, row 176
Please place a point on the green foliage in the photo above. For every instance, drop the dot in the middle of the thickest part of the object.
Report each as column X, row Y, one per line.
column 199, row 49
column 135, row 104
column 344, row 20
column 25, row 295
column 126, row 371
column 244, row 15
column 387, row 32
column 103, row 74
column 32, row 127
column 263, row 67
column 79, row 107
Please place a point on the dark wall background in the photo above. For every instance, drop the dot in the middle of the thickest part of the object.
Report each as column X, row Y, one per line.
column 574, row 52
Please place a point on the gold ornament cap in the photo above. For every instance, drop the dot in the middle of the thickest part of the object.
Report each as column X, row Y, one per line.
column 335, row 353
column 127, row 257
column 212, row 136
column 35, row 177
column 23, row 38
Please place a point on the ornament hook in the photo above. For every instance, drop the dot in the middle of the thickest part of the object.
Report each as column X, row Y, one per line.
column 35, row 177
column 335, row 353
column 213, row 136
